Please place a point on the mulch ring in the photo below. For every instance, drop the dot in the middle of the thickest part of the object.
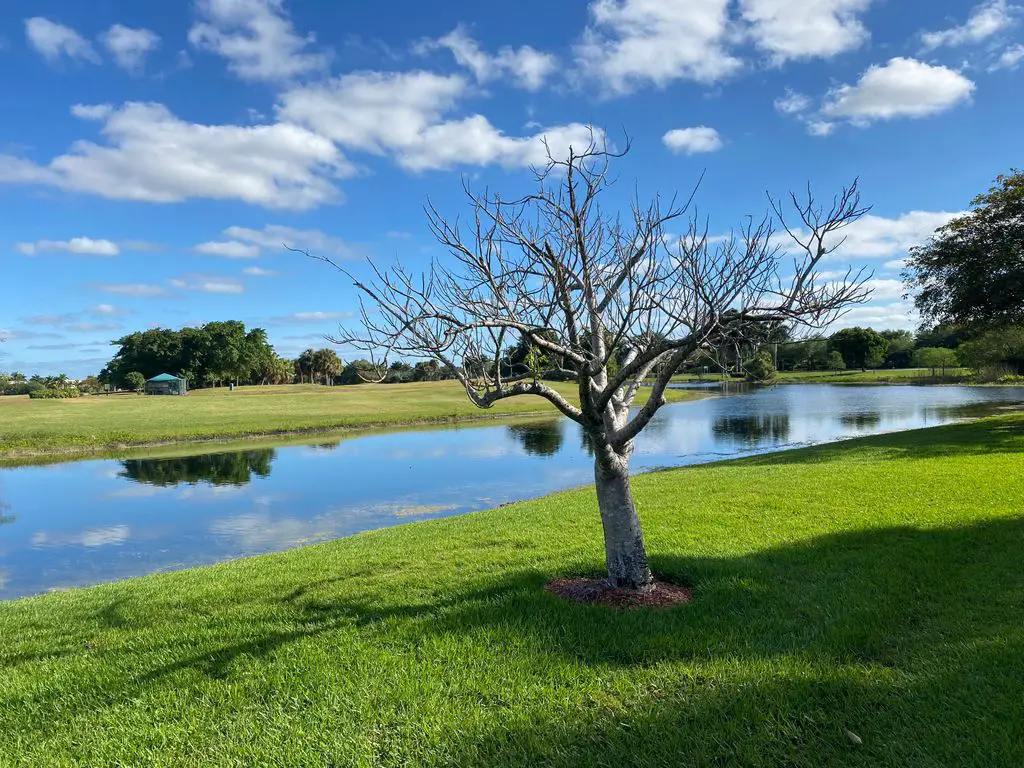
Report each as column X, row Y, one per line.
column 661, row 595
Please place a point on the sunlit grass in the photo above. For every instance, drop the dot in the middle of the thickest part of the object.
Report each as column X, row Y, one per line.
column 872, row 586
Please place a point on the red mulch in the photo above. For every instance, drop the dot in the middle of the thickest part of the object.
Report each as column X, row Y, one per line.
column 661, row 595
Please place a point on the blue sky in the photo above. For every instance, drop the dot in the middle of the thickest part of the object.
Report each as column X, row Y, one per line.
column 153, row 156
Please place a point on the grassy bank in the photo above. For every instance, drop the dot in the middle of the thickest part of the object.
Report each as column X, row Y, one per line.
column 33, row 428
column 873, row 586
column 893, row 376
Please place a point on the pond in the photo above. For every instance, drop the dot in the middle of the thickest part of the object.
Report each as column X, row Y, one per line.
column 80, row 523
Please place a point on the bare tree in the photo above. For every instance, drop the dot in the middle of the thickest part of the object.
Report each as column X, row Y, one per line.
column 584, row 286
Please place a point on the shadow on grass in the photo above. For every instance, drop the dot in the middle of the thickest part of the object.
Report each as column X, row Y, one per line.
column 914, row 638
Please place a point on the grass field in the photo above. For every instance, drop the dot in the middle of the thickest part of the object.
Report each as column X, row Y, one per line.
column 32, row 428
column 872, row 586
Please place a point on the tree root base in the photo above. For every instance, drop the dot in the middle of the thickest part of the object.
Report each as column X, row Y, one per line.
column 660, row 595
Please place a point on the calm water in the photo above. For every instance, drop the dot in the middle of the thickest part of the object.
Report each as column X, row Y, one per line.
column 86, row 522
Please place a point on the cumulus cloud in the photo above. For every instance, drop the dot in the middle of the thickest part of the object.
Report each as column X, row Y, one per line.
column 874, row 237
column 129, row 46
column 53, row 41
column 899, row 315
column 526, row 66
column 792, row 103
column 632, row 43
column 152, row 155
column 986, row 20
column 901, row 88
column 401, row 113
column 691, row 141
column 259, row 272
column 257, row 38
column 82, row 246
column 229, row 249
column 796, row 29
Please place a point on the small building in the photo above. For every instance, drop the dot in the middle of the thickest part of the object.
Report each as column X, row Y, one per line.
column 166, row 384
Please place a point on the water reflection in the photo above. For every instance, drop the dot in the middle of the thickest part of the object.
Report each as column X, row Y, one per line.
column 87, row 522
column 543, row 438
column 753, row 429
column 213, row 468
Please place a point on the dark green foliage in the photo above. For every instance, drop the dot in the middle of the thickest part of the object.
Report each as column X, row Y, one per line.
column 208, row 355
column 360, row 372
column 935, row 358
column 54, row 394
column 995, row 353
column 835, row 362
column 972, row 271
column 213, row 468
column 860, row 347
column 400, row 372
column 901, row 348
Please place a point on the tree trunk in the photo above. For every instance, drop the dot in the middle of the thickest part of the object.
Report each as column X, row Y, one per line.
column 625, row 554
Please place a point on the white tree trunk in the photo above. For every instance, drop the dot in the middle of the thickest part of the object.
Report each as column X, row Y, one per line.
column 625, row 554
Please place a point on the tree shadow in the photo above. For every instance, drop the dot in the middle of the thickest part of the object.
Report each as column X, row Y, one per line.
column 896, row 633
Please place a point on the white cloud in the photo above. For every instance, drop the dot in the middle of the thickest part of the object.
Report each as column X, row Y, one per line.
column 230, row 249
column 1009, row 59
column 901, row 88
column 820, row 127
column 796, row 29
column 257, row 38
column 152, row 155
column 132, row 289
column 895, row 264
column 82, row 246
column 275, row 237
column 259, row 272
column 202, row 284
column 401, row 113
column 986, row 20
column 527, row 66
column 792, row 103
column 108, row 310
column 95, row 537
column 129, row 46
column 53, row 40
column 883, row 289
column 631, row 43
column 899, row 315
column 691, row 141
column 875, row 237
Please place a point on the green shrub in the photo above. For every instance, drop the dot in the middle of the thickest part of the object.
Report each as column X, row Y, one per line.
column 54, row 394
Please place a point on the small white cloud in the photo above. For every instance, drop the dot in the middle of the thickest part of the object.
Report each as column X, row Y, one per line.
column 259, row 272
column 52, row 41
column 201, row 284
column 986, row 20
column 691, row 141
column 792, row 103
column 1009, row 59
column 132, row 289
column 899, row 315
column 895, row 264
column 230, row 249
column 257, row 38
column 277, row 238
column 901, row 88
column 81, row 246
column 820, row 127
column 528, row 67
column 129, row 46
column 875, row 237
column 314, row 316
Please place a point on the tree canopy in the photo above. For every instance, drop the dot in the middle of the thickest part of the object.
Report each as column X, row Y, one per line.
column 972, row 270
column 860, row 347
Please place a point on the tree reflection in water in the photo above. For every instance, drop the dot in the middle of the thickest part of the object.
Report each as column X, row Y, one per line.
column 541, row 438
column 754, row 429
column 868, row 420
column 213, row 468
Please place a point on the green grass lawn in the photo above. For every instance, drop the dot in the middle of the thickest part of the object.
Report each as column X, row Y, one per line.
column 873, row 586
column 30, row 428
